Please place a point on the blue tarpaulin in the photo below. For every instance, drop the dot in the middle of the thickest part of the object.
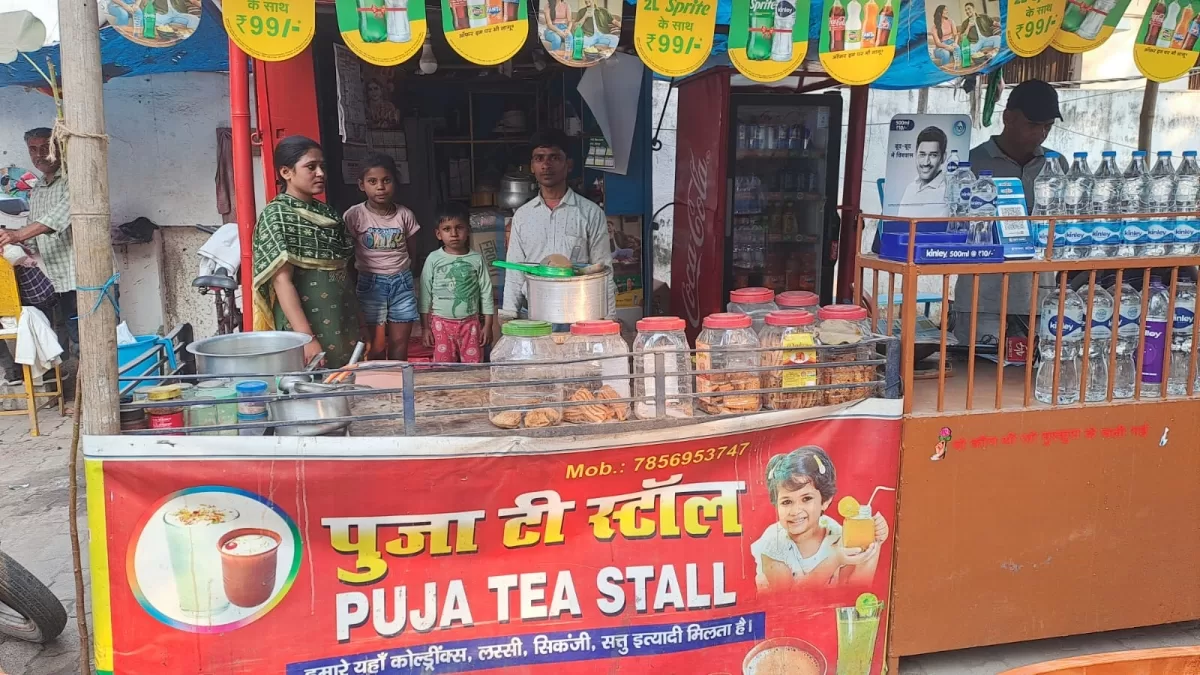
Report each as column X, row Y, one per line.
column 207, row 50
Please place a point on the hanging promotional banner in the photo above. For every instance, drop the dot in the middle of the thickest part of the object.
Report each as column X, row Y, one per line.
column 674, row 38
column 1032, row 25
column 155, row 23
column 486, row 32
column 858, row 42
column 636, row 552
column 1087, row 24
column 961, row 38
column 270, row 30
column 768, row 38
column 580, row 34
column 382, row 32
column 1166, row 44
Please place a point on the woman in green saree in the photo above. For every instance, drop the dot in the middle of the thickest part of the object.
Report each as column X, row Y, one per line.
column 302, row 255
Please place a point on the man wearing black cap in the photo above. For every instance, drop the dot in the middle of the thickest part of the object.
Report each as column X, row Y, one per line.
column 1016, row 153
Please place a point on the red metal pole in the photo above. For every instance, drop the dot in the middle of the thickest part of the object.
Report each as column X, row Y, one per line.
column 243, row 173
column 856, row 136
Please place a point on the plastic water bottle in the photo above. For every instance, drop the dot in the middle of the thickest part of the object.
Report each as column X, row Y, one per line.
column 1181, row 338
column 1134, row 187
column 1100, row 316
column 1106, row 200
column 982, row 210
column 1187, row 189
column 1072, row 338
column 1154, row 344
column 958, row 192
column 953, row 163
column 1077, row 201
column 1160, row 232
column 1129, row 317
column 1048, row 190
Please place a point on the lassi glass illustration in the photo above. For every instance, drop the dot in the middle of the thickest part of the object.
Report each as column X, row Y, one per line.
column 858, row 524
column 857, row 628
column 248, row 561
column 193, row 533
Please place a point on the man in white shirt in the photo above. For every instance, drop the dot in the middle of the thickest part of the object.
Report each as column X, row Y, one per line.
column 925, row 196
column 557, row 221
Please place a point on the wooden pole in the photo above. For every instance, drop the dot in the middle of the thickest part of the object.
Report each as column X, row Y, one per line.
column 86, row 165
column 1146, row 120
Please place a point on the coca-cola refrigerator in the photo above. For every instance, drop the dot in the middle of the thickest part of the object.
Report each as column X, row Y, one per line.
column 756, row 190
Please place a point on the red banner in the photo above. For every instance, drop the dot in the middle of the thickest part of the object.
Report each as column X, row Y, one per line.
column 760, row 545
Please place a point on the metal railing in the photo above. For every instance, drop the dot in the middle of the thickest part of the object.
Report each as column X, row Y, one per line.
column 158, row 360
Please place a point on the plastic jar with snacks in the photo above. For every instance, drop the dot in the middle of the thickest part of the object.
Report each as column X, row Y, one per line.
column 806, row 300
column 516, row 364
column 718, row 348
column 608, row 372
column 662, row 334
column 790, row 331
column 251, row 411
column 754, row 302
column 845, row 325
column 166, row 413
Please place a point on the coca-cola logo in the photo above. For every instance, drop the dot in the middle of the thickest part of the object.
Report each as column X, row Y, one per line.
column 837, row 23
column 696, row 205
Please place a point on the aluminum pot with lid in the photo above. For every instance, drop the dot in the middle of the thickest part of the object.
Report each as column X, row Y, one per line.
column 258, row 353
column 568, row 299
column 516, row 188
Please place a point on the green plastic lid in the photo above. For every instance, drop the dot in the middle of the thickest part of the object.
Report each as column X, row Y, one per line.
column 526, row 328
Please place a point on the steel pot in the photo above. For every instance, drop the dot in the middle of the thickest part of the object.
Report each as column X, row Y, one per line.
column 312, row 410
column 516, row 188
column 256, row 353
column 569, row 299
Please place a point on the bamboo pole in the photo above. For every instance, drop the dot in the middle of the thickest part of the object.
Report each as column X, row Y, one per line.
column 86, row 162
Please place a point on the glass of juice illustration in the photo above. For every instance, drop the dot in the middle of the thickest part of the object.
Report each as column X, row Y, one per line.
column 857, row 628
column 248, row 560
column 192, row 536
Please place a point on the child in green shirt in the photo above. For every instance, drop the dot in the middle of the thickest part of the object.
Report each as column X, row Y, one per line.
column 456, row 292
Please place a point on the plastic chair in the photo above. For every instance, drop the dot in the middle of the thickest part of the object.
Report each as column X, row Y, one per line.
column 10, row 305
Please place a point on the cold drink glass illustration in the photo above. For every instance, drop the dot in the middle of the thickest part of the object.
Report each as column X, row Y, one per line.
column 398, row 29
column 762, row 29
column 248, row 561
column 859, row 531
column 372, row 26
column 837, row 26
column 193, row 534
column 781, row 39
column 857, row 628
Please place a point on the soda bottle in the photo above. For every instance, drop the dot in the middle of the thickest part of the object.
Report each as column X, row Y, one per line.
column 1181, row 338
column 1129, row 317
column 958, row 191
column 495, row 12
column 398, row 28
column 781, row 39
column 1189, row 43
column 853, row 25
column 458, row 8
column 1048, row 190
column 870, row 24
column 1100, row 316
column 1134, row 186
column 1068, row 361
column 1187, row 188
column 1090, row 27
column 1157, row 16
column 150, row 20
column 372, row 27
column 1106, row 200
column 964, row 51
column 1165, row 36
column 1182, row 28
column 762, row 28
column 982, row 210
column 577, row 43
column 476, row 13
column 837, row 26
column 885, row 26
column 1077, row 201
column 512, row 9
column 1160, row 232
column 1154, row 344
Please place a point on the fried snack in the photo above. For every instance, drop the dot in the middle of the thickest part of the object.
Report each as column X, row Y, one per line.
column 774, row 379
column 584, row 414
column 848, row 375
column 617, row 411
column 729, row 402
column 509, row 419
column 542, row 417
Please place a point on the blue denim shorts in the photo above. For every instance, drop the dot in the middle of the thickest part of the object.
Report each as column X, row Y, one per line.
column 387, row 298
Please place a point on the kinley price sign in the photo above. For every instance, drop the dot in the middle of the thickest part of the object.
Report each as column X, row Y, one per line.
column 649, row 553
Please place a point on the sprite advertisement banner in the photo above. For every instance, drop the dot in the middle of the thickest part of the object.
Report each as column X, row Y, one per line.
column 768, row 38
column 753, row 545
column 1087, row 24
column 270, row 31
column 858, row 41
column 673, row 37
column 1032, row 25
column 382, row 32
column 1166, row 41
column 486, row 32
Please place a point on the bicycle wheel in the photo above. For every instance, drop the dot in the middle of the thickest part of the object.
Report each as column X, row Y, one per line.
column 28, row 610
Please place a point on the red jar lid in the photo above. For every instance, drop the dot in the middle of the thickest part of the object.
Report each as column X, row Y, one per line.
column 790, row 317
column 797, row 299
column 660, row 324
column 598, row 327
column 751, row 296
column 727, row 320
column 847, row 312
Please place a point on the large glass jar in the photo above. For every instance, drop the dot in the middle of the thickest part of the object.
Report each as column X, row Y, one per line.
column 790, row 331
column 806, row 300
column 845, row 325
column 608, row 372
column 719, row 347
column 754, row 302
column 663, row 334
column 518, row 362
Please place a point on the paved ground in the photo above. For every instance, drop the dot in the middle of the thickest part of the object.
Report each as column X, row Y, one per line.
column 33, row 530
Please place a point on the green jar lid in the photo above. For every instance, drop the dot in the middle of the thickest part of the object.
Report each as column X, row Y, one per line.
column 526, row 328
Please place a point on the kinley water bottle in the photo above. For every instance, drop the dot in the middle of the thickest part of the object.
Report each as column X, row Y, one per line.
column 1106, row 200
column 1100, row 316
column 1181, row 338
column 1160, row 231
column 1129, row 319
column 1154, row 344
column 1077, row 201
column 958, row 192
column 1134, row 186
column 1048, row 190
column 1068, row 362
column 983, row 210
column 1187, row 189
